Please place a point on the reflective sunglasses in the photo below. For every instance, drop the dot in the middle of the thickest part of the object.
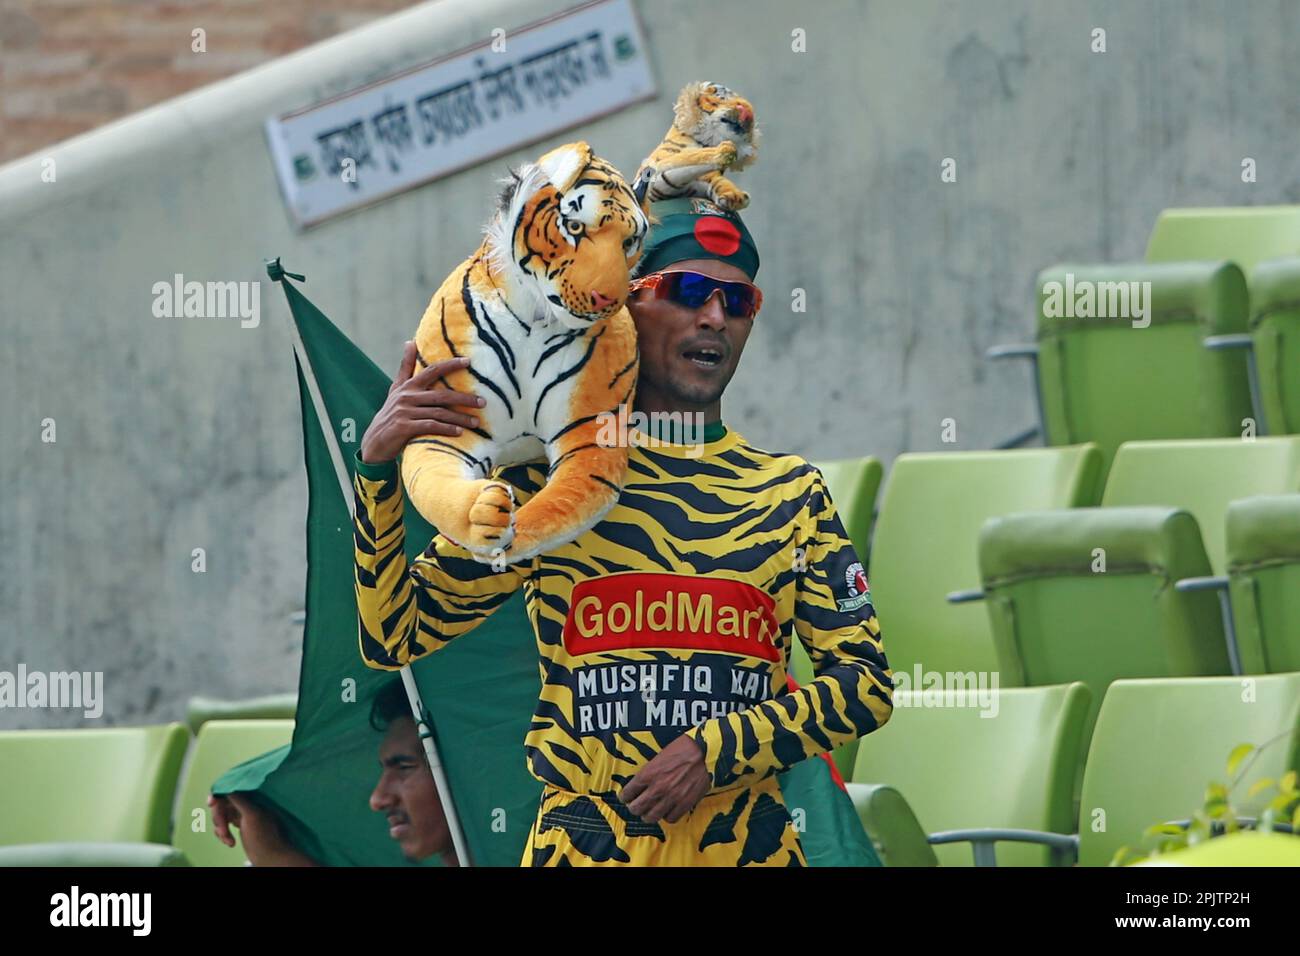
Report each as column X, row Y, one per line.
column 742, row 300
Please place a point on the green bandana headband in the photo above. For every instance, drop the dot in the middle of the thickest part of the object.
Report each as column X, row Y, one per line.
column 697, row 229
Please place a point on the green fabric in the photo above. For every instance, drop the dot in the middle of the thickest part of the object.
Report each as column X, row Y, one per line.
column 677, row 237
column 374, row 470
column 480, row 691
column 321, row 785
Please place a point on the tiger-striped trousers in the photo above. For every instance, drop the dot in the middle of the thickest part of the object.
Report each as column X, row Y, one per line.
column 747, row 826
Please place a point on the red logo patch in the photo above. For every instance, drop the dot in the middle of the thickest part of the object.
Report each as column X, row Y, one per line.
column 626, row 611
column 718, row 235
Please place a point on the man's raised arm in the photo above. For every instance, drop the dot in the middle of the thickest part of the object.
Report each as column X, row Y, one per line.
column 852, row 694
column 407, row 610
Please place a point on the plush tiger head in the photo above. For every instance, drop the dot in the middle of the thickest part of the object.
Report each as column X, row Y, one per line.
column 709, row 113
column 567, row 232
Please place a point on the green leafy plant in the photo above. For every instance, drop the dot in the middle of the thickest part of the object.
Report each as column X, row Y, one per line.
column 1218, row 815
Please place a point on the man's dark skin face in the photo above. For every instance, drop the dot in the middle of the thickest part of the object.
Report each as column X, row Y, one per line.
column 673, row 781
column 669, row 381
column 408, row 797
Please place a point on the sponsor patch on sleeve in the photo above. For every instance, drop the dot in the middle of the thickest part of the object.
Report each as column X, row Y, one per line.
column 855, row 583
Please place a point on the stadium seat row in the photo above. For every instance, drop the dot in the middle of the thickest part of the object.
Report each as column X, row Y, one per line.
column 129, row 796
column 1127, row 589
column 1020, row 523
column 1201, row 340
column 999, row 777
column 1075, row 591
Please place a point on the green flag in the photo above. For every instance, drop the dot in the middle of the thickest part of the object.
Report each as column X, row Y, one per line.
column 478, row 693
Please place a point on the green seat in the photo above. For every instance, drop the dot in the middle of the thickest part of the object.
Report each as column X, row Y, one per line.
column 1243, row 848
column 1088, row 594
column 1159, row 743
column 1275, row 337
column 221, row 744
column 1246, row 235
column 1264, row 576
column 925, row 543
column 91, row 855
column 1202, row 477
column 1103, row 380
column 96, row 786
column 854, row 484
column 270, row 707
column 893, row 828
column 1013, row 769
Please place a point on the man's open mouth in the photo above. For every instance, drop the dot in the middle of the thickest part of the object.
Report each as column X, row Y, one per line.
column 704, row 358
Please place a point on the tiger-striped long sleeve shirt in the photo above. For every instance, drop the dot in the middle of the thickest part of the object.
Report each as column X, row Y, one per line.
column 673, row 615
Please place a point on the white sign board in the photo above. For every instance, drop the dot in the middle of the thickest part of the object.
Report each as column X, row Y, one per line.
column 464, row 108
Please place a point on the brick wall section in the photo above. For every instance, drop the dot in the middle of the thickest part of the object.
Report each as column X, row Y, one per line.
column 67, row 66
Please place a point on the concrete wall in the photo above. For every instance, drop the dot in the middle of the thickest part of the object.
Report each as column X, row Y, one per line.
column 73, row 65
column 174, row 434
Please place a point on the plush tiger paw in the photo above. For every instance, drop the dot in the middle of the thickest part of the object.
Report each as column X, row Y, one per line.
column 491, row 520
column 726, row 151
column 729, row 196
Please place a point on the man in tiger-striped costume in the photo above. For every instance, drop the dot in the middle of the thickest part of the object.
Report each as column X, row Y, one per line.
column 664, row 631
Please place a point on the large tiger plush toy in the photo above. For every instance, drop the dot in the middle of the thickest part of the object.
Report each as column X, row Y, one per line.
column 539, row 310
column 713, row 130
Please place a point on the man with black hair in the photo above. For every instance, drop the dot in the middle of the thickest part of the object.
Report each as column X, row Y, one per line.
column 664, row 711
column 405, row 794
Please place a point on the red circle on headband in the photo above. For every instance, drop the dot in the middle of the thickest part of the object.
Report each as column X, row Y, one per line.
column 717, row 235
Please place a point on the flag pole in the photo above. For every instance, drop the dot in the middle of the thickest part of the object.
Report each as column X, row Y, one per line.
column 418, row 712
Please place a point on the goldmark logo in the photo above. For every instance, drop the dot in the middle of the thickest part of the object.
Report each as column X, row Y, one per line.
column 671, row 610
column 75, row 908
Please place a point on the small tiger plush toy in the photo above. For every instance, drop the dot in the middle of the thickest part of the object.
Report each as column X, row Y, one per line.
column 713, row 130
column 539, row 310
